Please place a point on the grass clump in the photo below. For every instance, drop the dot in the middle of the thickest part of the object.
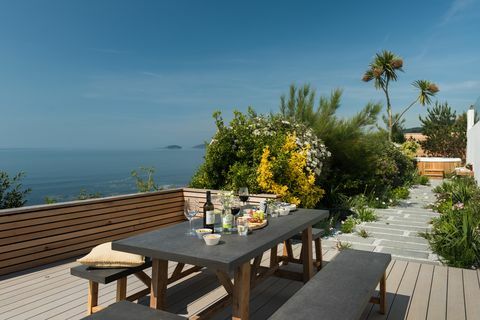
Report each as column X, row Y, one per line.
column 455, row 234
column 363, row 233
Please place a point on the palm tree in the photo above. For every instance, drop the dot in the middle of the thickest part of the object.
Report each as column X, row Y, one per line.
column 383, row 69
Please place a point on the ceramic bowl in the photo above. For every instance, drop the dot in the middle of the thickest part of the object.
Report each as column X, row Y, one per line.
column 283, row 211
column 203, row 231
column 211, row 239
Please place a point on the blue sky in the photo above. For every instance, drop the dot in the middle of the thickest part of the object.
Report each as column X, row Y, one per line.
column 142, row 74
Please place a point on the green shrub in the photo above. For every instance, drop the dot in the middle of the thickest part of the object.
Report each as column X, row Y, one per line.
column 423, row 180
column 270, row 154
column 455, row 237
column 12, row 194
column 348, row 225
column 366, row 214
column 400, row 193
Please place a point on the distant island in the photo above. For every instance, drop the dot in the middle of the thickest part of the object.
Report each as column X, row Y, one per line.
column 173, row 146
column 200, row 146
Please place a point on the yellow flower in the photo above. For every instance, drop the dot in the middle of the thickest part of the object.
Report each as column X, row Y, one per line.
column 300, row 188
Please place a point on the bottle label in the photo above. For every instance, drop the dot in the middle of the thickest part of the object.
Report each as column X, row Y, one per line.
column 210, row 217
column 227, row 221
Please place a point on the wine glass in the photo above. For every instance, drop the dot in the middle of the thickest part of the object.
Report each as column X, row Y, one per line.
column 235, row 210
column 243, row 195
column 190, row 211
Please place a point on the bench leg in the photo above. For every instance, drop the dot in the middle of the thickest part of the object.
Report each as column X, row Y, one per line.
column 92, row 301
column 121, row 289
column 318, row 254
column 383, row 294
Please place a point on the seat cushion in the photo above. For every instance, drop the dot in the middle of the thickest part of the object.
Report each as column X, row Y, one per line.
column 102, row 256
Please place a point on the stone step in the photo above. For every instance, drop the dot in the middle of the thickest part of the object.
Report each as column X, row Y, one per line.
column 355, row 238
column 405, row 221
column 404, row 252
column 417, row 260
column 333, row 243
column 397, row 226
column 407, row 218
column 376, row 229
column 404, row 245
column 401, row 238
column 423, row 214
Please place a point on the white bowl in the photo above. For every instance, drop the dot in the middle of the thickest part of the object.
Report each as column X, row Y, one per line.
column 212, row 239
column 284, row 211
column 202, row 231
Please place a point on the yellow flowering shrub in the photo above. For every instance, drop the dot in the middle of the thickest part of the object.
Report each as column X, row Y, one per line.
column 287, row 174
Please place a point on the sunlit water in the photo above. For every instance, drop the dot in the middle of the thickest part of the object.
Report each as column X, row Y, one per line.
column 62, row 174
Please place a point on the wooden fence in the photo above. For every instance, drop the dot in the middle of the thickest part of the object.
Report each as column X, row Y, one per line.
column 36, row 235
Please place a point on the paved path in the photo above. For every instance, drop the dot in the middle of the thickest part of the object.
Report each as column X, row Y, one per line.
column 396, row 231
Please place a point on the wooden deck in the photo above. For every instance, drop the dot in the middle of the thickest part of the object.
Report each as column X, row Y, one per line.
column 414, row 291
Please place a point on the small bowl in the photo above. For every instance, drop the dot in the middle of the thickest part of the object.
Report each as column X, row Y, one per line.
column 212, row 239
column 284, row 211
column 201, row 232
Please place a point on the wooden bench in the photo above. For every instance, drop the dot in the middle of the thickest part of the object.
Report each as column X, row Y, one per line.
column 104, row 276
column 125, row 310
column 342, row 290
column 288, row 256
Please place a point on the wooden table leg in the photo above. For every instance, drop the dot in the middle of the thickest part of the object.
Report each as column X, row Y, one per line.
column 273, row 257
column 158, row 289
column 307, row 258
column 383, row 294
column 121, row 289
column 241, row 292
column 92, row 300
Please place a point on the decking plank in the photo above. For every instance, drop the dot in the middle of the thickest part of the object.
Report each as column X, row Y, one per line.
column 472, row 294
column 437, row 305
column 393, row 282
column 421, row 295
column 455, row 298
column 402, row 300
column 65, row 296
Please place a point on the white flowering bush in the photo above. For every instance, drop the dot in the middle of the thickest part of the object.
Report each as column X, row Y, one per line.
column 235, row 151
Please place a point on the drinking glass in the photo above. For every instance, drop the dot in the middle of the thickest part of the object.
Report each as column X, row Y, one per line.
column 242, row 226
column 235, row 209
column 243, row 195
column 190, row 211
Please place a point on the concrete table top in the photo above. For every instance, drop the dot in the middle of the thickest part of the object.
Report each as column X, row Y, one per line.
column 173, row 244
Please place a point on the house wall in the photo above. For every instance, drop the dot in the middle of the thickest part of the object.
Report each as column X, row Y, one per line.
column 473, row 149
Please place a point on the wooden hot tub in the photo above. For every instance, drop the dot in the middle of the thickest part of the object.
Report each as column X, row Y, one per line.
column 437, row 167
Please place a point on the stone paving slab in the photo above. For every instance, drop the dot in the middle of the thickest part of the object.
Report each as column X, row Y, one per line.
column 397, row 229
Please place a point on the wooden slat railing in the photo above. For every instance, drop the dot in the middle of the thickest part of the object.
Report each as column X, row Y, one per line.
column 37, row 235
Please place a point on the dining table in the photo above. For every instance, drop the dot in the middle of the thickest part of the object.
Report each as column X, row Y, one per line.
column 232, row 256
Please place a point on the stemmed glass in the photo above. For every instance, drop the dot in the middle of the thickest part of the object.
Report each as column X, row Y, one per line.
column 190, row 211
column 243, row 195
column 235, row 209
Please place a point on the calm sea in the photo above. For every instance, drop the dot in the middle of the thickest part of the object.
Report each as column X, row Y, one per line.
column 62, row 174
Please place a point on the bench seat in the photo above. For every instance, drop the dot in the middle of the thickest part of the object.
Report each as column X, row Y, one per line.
column 342, row 290
column 125, row 310
column 107, row 275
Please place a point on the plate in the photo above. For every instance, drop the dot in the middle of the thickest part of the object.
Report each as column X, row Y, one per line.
column 257, row 225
